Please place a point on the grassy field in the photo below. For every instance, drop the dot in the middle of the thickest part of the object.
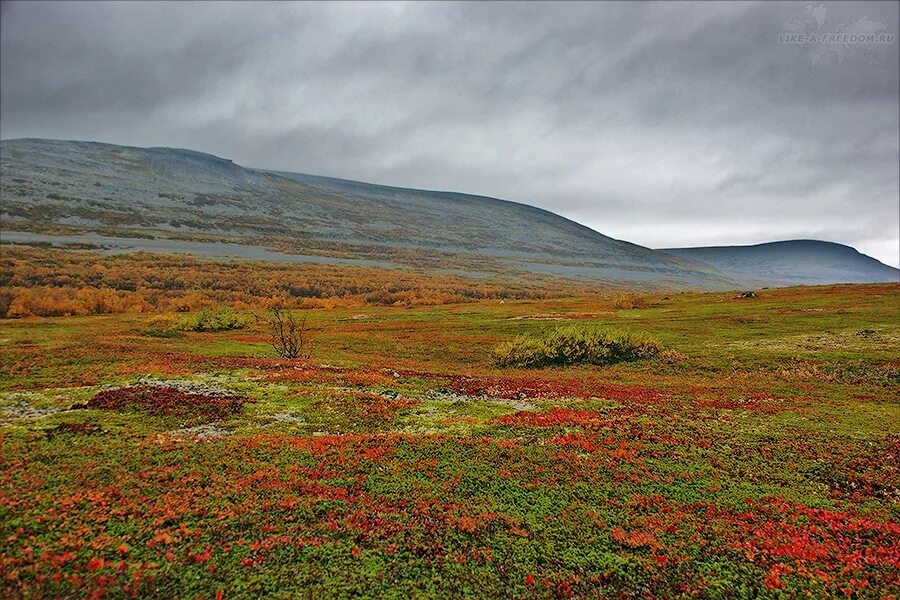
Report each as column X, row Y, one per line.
column 755, row 456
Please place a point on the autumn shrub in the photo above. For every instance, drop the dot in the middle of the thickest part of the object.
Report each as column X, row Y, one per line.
column 628, row 301
column 212, row 320
column 574, row 344
column 51, row 282
column 6, row 298
column 67, row 301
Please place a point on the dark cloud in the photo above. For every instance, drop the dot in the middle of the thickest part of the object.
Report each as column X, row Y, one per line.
column 665, row 124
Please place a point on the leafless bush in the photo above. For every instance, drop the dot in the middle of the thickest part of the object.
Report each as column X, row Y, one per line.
column 290, row 334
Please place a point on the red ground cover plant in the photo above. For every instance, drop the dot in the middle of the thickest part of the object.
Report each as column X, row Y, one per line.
column 160, row 400
column 832, row 546
column 258, row 504
column 556, row 417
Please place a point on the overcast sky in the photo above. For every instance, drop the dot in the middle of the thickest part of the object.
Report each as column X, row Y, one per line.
column 662, row 124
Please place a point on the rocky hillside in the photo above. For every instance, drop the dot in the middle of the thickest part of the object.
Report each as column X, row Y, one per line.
column 66, row 187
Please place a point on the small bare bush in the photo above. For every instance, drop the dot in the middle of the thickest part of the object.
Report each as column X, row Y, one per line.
column 289, row 334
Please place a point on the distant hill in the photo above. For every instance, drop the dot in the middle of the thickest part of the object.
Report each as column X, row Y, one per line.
column 68, row 187
column 170, row 200
column 794, row 262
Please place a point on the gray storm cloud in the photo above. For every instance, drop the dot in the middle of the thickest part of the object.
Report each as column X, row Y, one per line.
column 663, row 124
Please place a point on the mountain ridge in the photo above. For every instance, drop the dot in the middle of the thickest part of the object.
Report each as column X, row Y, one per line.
column 793, row 262
column 49, row 184
column 73, row 187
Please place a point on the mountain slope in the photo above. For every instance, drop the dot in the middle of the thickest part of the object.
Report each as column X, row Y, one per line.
column 64, row 186
column 794, row 262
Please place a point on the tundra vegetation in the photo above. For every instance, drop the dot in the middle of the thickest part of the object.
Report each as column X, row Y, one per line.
column 574, row 345
column 48, row 283
column 680, row 445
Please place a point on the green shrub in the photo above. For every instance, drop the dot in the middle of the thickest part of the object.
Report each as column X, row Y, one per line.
column 212, row 320
column 570, row 345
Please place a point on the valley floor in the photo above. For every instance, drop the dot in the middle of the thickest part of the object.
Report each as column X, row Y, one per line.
column 757, row 458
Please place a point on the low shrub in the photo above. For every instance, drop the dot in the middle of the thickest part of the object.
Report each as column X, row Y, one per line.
column 212, row 320
column 629, row 301
column 572, row 344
